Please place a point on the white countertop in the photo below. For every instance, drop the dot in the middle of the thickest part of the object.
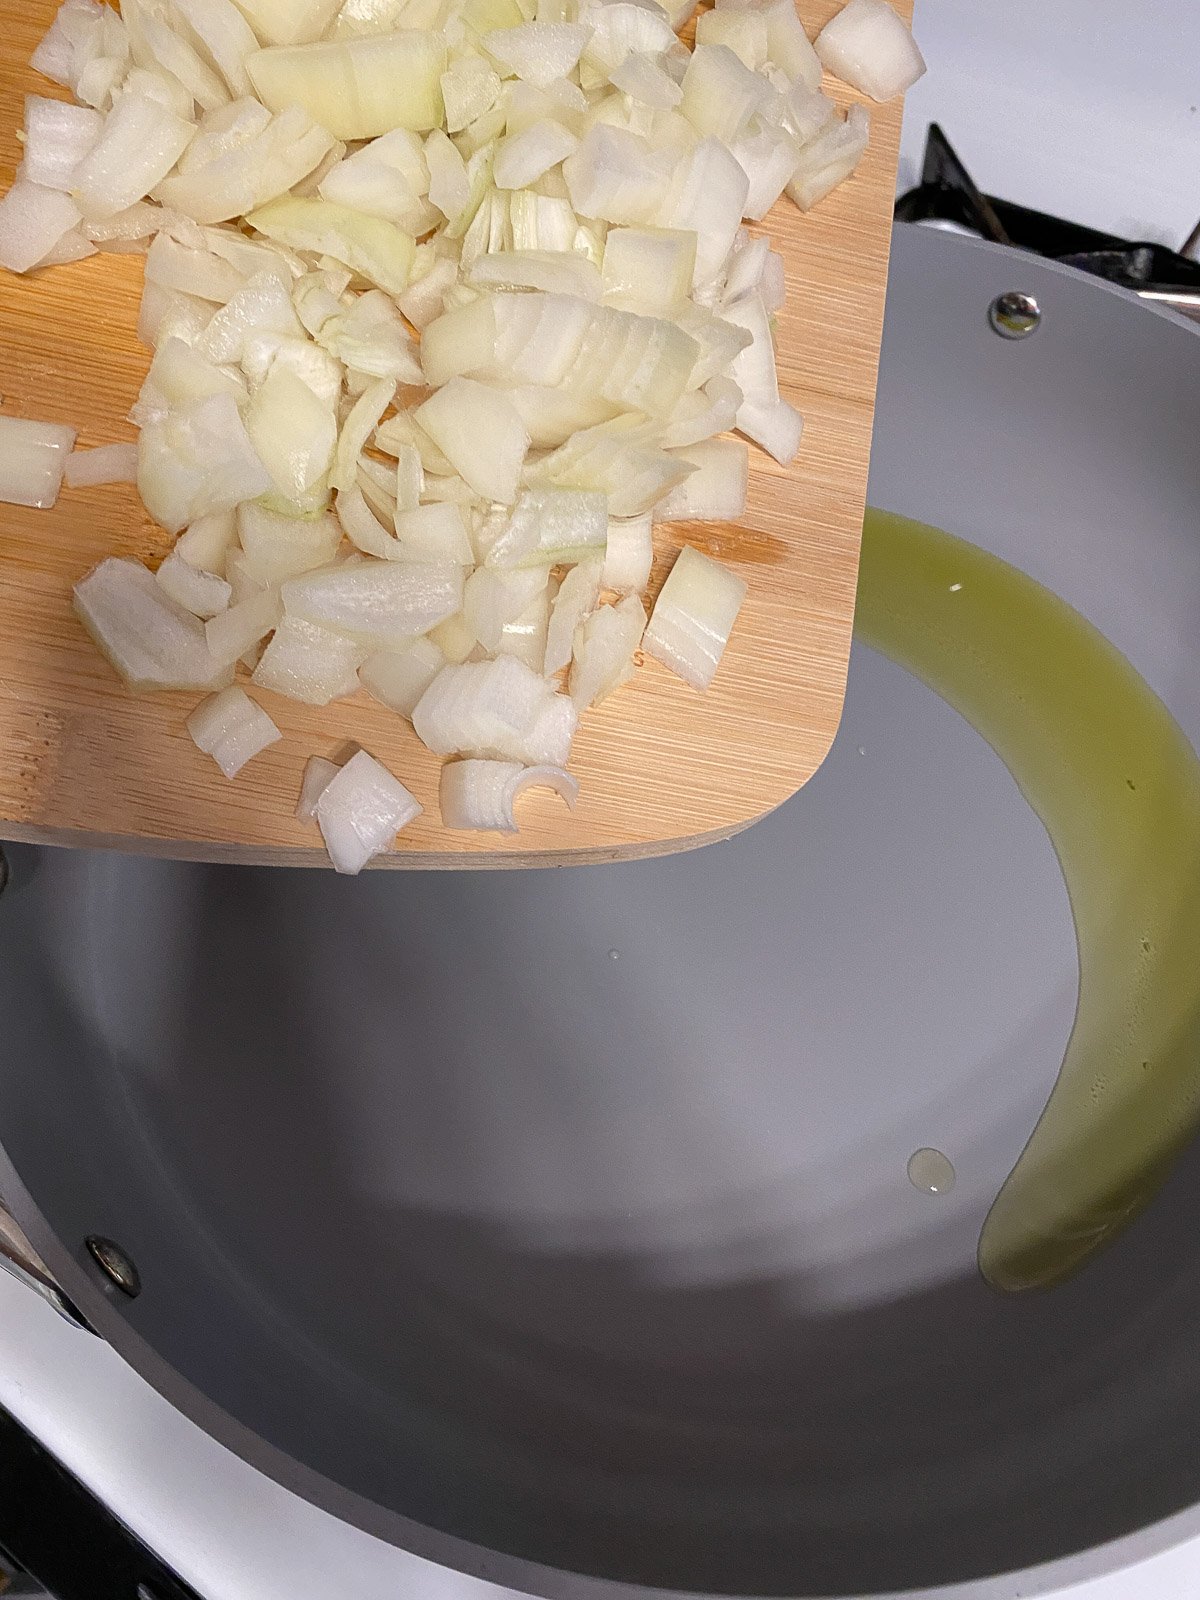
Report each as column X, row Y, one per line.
column 1050, row 102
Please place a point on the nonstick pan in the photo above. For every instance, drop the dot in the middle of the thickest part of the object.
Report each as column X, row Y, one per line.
column 558, row 1225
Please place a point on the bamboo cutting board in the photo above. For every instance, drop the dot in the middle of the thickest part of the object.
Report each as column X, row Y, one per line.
column 662, row 768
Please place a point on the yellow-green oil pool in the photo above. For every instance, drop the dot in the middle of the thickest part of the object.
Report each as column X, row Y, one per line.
column 1117, row 785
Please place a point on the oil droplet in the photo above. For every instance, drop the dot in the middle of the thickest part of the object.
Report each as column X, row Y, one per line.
column 614, row 955
column 931, row 1171
column 862, row 750
column 1070, row 718
column 956, row 588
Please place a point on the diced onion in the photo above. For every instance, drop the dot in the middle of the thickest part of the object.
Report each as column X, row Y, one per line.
column 716, row 490
column 604, row 648
column 361, row 810
column 152, row 642
column 309, row 663
column 398, row 678
column 480, row 433
column 377, row 603
column 230, row 634
column 629, row 554
column 204, row 594
column 483, row 794
column 32, row 221
column 231, row 729
column 694, row 616
column 317, row 776
column 57, row 138
column 277, row 547
column 33, row 458
column 207, row 542
column 357, row 88
column 141, row 142
column 871, row 48
column 576, row 598
column 550, row 527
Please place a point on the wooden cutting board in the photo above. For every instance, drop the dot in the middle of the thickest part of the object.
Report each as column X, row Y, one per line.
column 662, row 768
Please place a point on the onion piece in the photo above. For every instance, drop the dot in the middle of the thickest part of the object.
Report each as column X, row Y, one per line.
column 204, row 594
column 483, row 708
column 494, row 600
column 629, row 554
column 619, row 177
column 470, row 88
column 196, row 461
column 720, row 93
column 371, row 339
column 830, row 158
column 481, row 435
column 293, row 432
column 694, row 616
column 357, row 88
column 368, row 245
column 206, row 543
column 141, row 142
column 707, row 197
column 57, row 138
column 73, row 34
column 231, row 729
column 230, row 634
column 318, row 774
column 33, row 458
column 551, row 527
column 32, row 221
column 289, row 21
column 871, row 49
column 702, row 413
column 263, row 306
column 279, row 547
column 364, row 529
column 538, row 52
column 604, row 648
column 309, row 663
column 226, row 36
column 360, row 812
column 522, row 158
column 650, row 266
column 716, row 490
column 482, row 794
column 195, row 272
column 73, row 246
column 775, row 425
column 364, row 417
column 251, row 174
column 152, row 642
column 398, row 678
column 436, row 534
column 742, row 31
column 576, row 599
column 788, row 46
column 642, row 78
column 377, row 603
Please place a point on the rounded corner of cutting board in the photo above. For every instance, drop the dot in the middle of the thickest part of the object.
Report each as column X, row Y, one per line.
column 662, row 769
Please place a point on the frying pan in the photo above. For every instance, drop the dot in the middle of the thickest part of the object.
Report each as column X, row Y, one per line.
column 556, row 1225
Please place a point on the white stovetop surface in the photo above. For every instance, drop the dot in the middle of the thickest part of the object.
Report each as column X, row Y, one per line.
column 1056, row 103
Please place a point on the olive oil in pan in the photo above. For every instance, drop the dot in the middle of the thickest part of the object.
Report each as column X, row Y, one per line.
column 1117, row 786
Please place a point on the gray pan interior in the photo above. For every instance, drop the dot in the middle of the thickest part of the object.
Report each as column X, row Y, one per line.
column 556, row 1224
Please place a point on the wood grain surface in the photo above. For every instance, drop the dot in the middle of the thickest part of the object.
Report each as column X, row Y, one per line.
column 662, row 768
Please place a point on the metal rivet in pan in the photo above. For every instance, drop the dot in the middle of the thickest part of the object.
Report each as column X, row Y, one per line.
column 1014, row 315
column 115, row 1265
